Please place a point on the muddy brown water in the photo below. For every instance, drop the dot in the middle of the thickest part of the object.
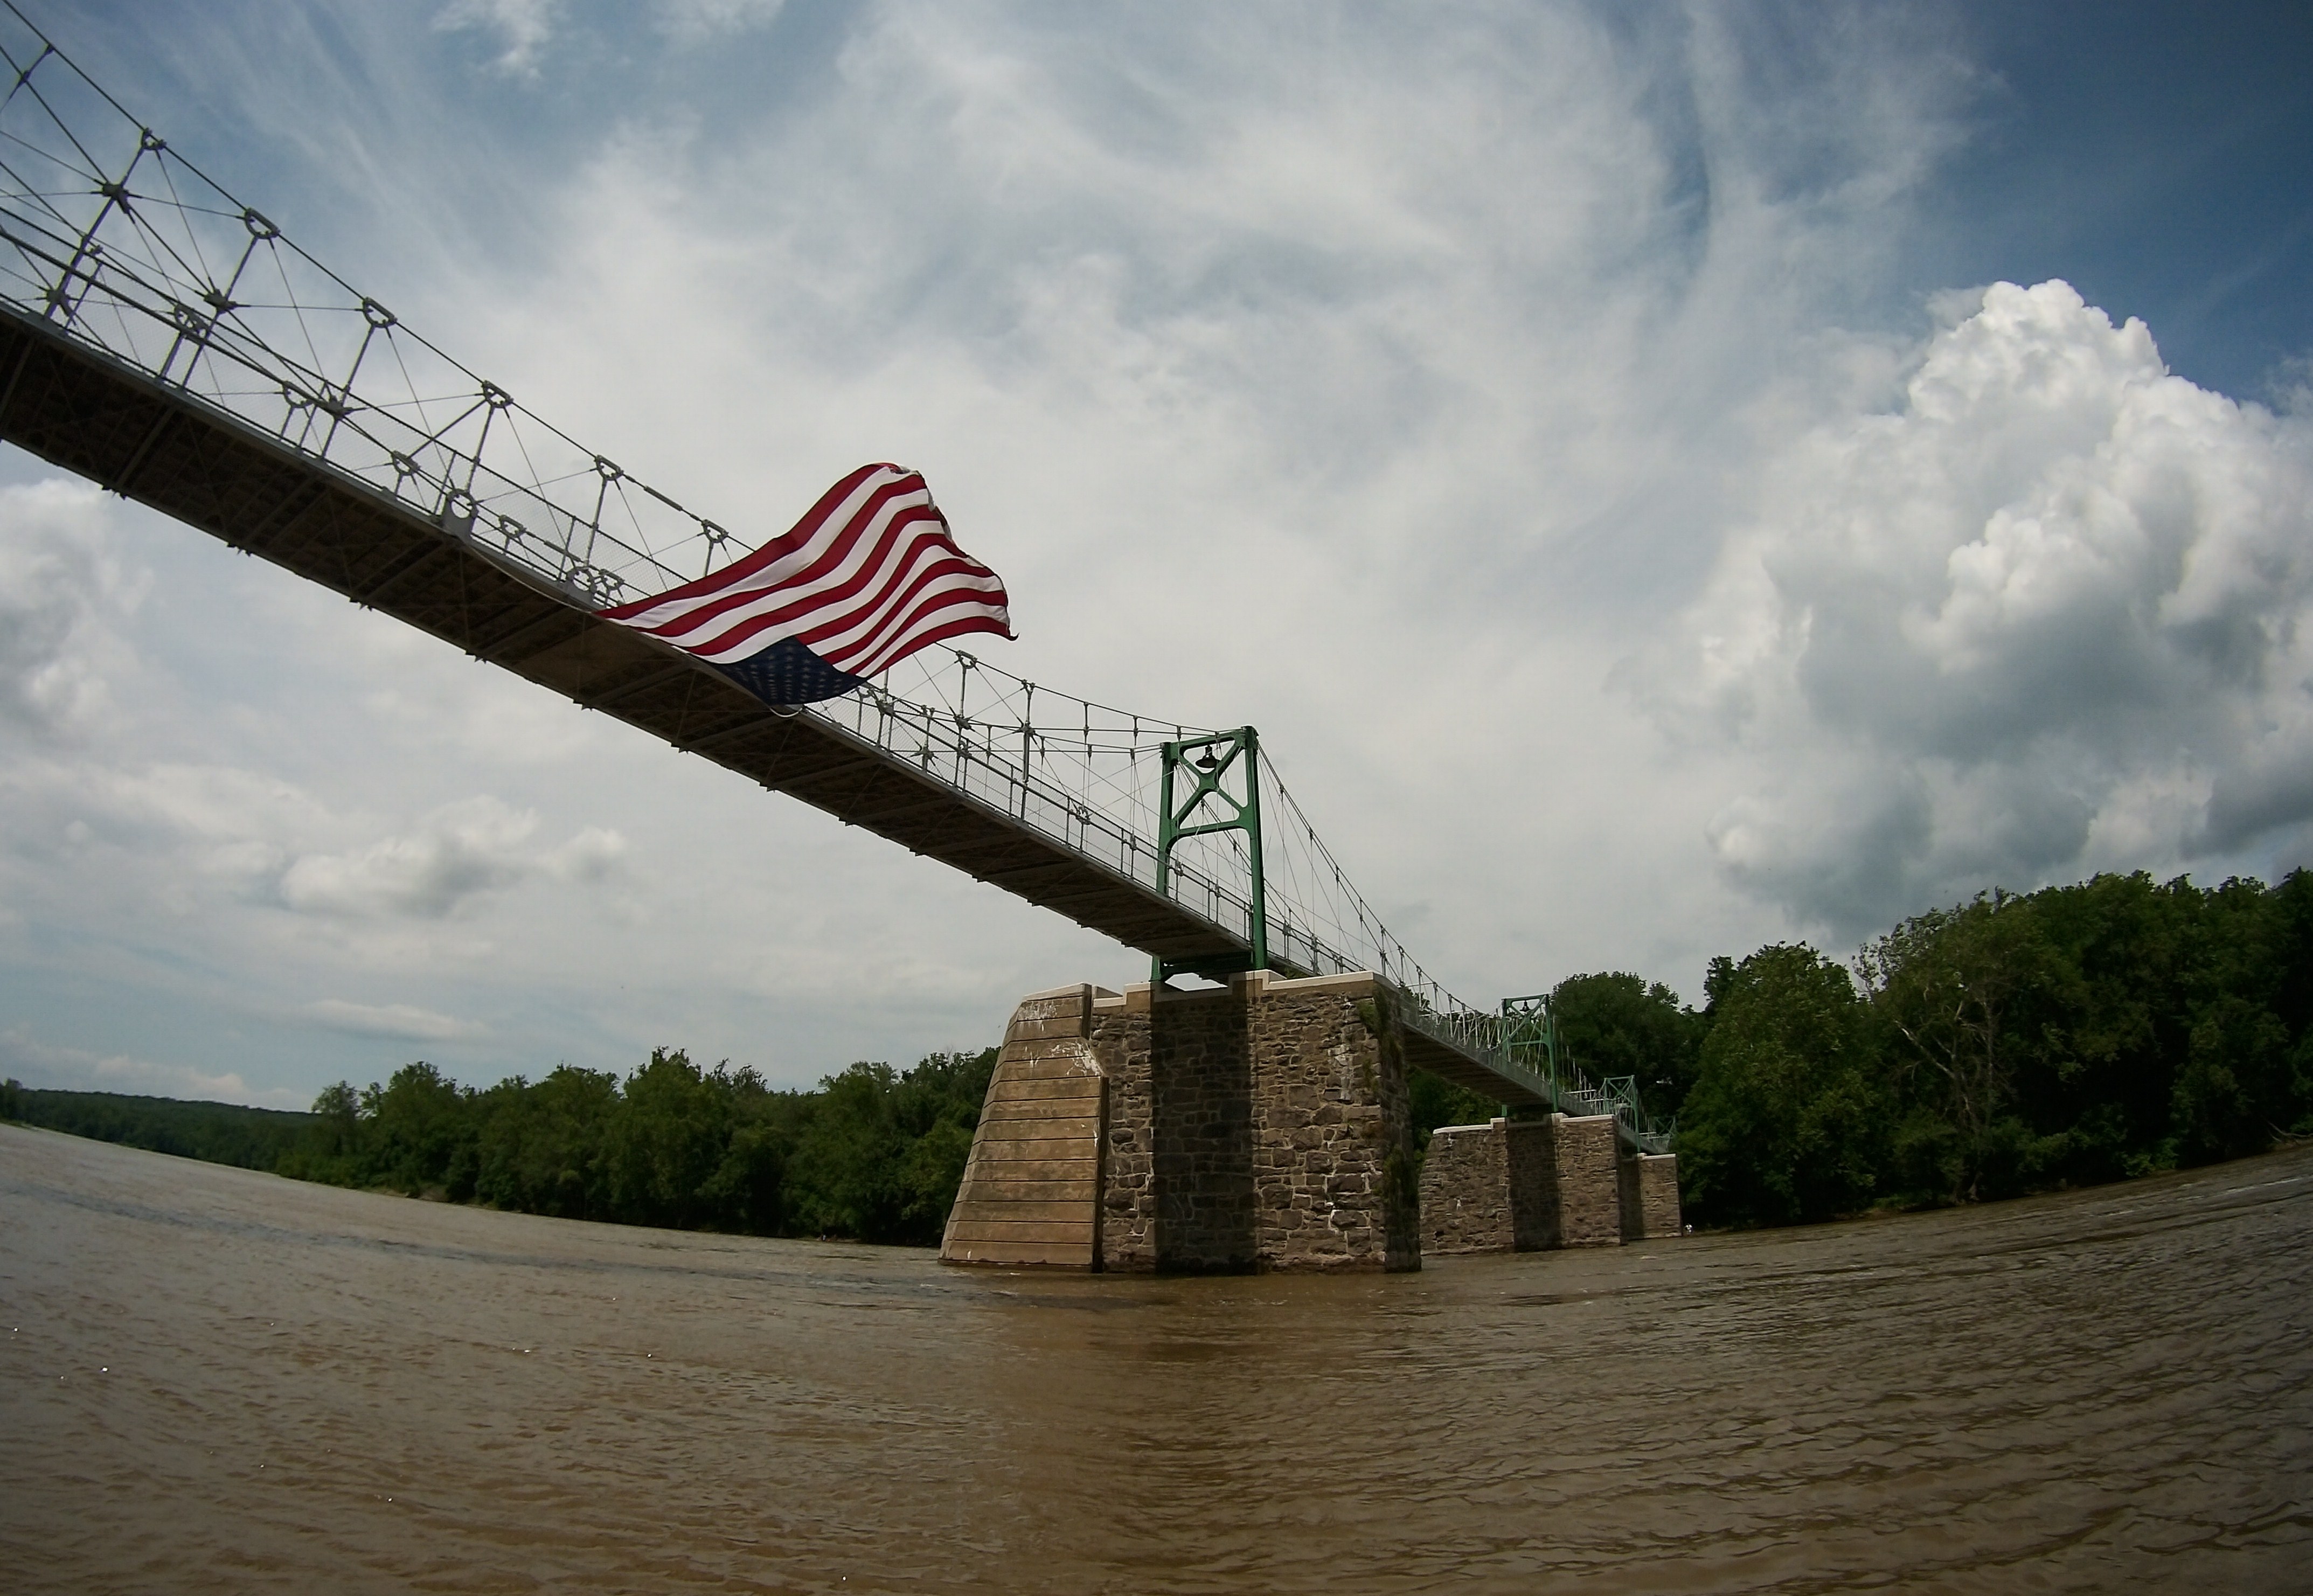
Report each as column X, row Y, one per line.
column 217, row 1380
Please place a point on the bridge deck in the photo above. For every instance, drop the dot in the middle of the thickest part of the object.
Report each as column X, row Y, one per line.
column 1464, row 1069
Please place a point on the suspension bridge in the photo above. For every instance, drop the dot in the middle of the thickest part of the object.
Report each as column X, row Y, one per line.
column 169, row 343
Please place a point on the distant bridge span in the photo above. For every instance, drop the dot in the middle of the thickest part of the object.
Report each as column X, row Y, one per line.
column 166, row 341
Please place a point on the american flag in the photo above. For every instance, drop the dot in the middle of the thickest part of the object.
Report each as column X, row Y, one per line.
column 865, row 579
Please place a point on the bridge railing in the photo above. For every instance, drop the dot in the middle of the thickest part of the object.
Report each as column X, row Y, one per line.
column 993, row 754
column 1566, row 1089
column 112, row 237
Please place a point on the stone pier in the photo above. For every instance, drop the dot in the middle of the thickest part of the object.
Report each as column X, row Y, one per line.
column 1585, row 1199
column 1488, row 1188
column 1263, row 1125
column 1650, row 1192
column 1516, row 1186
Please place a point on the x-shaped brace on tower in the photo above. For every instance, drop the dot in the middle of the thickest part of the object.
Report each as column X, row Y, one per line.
column 1215, row 764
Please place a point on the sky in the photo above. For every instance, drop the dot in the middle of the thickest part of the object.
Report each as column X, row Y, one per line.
column 1663, row 480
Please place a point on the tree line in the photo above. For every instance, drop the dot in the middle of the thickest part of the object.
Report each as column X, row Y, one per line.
column 213, row 1133
column 2014, row 1042
column 873, row 1154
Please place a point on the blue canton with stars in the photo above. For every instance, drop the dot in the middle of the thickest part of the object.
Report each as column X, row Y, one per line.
column 788, row 673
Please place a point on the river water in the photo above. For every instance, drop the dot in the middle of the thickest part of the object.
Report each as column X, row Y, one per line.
column 217, row 1380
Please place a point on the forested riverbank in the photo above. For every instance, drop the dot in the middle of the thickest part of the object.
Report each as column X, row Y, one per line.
column 2013, row 1043
column 873, row 1154
column 2016, row 1043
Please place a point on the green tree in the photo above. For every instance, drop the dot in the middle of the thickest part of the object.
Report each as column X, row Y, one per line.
column 1785, row 1120
column 217, row 1133
column 668, row 1142
column 1436, row 1101
column 930, row 1177
column 1968, row 1000
column 746, row 1191
column 541, row 1146
column 844, row 1178
column 330, row 1149
column 2236, row 1070
column 2238, row 1089
column 2182, row 1016
column 878, row 1155
column 1620, row 1024
column 2126, row 944
column 419, row 1132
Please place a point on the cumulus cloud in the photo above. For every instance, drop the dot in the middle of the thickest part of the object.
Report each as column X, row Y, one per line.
column 2052, row 598
column 594, row 854
column 399, row 1021
column 1377, row 382
column 2290, row 385
column 172, row 832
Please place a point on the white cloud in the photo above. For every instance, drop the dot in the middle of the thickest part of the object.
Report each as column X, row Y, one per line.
column 1380, row 382
column 2290, row 385
column 594, row 854
column 2052, row 610
column 402, row 1021
column 522, row 27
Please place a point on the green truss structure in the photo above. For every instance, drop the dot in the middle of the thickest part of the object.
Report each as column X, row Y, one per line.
column 1213, row 784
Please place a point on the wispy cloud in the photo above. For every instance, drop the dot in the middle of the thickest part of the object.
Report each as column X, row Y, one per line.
column 60, row 584
column 70, row 1068
column 458, row 855
column 397, row 1020
column 701, row 21
column 521, row 29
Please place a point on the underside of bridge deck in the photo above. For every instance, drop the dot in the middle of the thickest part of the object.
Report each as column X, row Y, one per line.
column 1466, row 1069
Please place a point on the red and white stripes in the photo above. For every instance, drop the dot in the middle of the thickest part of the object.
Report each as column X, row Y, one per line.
column 865, row 579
